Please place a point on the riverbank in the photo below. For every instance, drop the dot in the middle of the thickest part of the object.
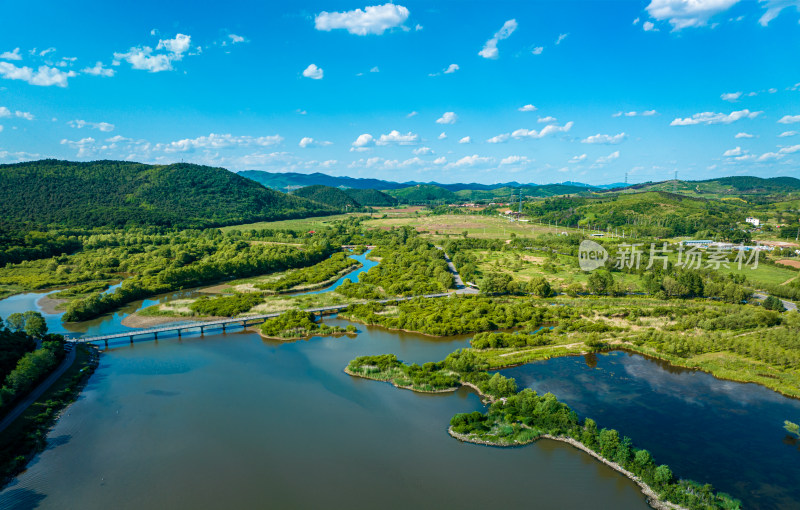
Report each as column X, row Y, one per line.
column 27, row 435
column 135, row 320
column 52, row 306
column 396, row 385
column 650, row 495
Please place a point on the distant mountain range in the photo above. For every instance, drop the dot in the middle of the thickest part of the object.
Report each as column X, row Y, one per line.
column 290, row 180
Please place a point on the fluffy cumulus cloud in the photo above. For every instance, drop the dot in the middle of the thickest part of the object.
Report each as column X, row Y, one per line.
column 421, row 151
column 44, row 76
column 307, row 141
column 451, row 69
column 144, row 58
column 469, row 161
column 715, row 118
column 466, row 139
column 527, row 108
column 605, row 139
column 774, row 7
column 11, row 55
column 537, row 50
column 363, row 142
column 687, row 13
column 102, row 126
column 603, row 160
column 744, row 135
column 235, row 39
column 216, row 141
column 442, row 135
column 731, row 96
column 733, row 152
column 5, row 112
column 545, row 131
column 788, row 133
column 99, row 70
column 490, row 48
column 578, row 159
column 499, row 138
column 789, row 119
column 375, row 19
column 649, row 26
column 85, row 146
column 546, row 120
column 396, row 138
column 514, row 160
column 447, row 118
column 313, row 72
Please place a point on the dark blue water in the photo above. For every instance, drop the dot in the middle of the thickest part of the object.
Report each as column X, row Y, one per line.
column 720, row 432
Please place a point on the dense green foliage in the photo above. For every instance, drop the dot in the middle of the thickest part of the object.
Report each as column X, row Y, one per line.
column 31, row 368
column 180, row 261
column 297, row 324
column 488, row 340
column 423, row 194
column 328, row 196
column 226, row 306
column 16, row 246
column 321, row 272
column 371, row 197
column 117, row 193
column 410, row 266
column 13, row 346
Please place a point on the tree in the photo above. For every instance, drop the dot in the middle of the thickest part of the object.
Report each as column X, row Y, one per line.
column 540, row 287
column 35, row 324
column 663, row 474
column 601, row 282
column 773, row 303
column 15, row 321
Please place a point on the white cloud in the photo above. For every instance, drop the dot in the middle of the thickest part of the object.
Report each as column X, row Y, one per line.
column 11, row 55
column 142, row 58
column 375, row 19
column 649, row 113
column 177, row 46
column 788, row 133
column 547, row 130
column 687, row 13
column 447, row 118
column 547, row 119
column 602, row 160
column 605, row 139
column 636, row 21
column 774, row 7
column 744, row 135
column 313, row 72
column 537, row 50
column 513, row 160
column 412, row 114
column 441, row 160
column 731, row 96
column 215, row 141
column 499, row 138
column 5, row 112
column 490, row 48
column 578, row 159
column 307, row 141
column 648, row 26
column 363, row 142
column 45, row 52
column 714, row 118
column 646, row 113
column 375, row 70
column 85, row 146
column 789, row 119
column 44, row 76
column 466, row 139
column 442, row 135
column 395, row 137
column 451, row 69
column 235, row 38
column 421, row 151
column 102, row 126
column 789, row 150
column 99, row 70
column 527, row 108
column 733, row 152
column 468, row 161
column 561, row 37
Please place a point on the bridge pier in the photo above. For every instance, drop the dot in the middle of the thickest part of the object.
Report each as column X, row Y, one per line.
column 179, row 333
column 155, row 335
column 131, row 338
column 106, row 342
column 223, row 328
column 201, row 330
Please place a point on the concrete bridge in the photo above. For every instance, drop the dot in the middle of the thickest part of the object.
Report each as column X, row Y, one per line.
column 223, row 324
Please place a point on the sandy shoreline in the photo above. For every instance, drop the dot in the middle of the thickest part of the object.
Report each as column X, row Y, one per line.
column 50, row 305
column 138, row 321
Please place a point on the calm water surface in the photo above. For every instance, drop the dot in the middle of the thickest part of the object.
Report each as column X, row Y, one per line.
column 233, row 421
column 720, row 432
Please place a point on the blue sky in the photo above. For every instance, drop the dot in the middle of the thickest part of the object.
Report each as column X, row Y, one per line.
column 456, row 91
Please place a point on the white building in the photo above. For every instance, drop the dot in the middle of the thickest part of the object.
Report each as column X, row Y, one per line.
column 753, row 221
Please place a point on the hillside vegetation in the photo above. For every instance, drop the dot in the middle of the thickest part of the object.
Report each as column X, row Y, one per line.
column 331, row 197
column 423, row 193
column 371, row 197
column 117, row 193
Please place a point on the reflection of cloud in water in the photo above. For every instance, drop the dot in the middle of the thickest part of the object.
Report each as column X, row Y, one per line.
column 695, row 387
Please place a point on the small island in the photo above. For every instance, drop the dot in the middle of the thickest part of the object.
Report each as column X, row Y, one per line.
column 299, row 325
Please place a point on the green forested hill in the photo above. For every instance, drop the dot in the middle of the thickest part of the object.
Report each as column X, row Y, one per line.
column 423, row 193
column 117, row 193
column 332, row 197
column 371, row 197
